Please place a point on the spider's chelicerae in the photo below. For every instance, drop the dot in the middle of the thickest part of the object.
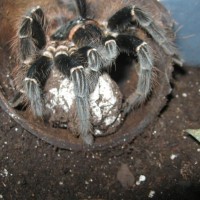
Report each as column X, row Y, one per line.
column 83, row 49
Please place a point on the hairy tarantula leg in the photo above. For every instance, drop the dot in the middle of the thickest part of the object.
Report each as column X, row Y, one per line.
column 94, row 68
column 130, row 44
column 123, row 18
column 92, row 63
column 35, row 81
column 38, row 14
column 81, row 90
column 68, row 66
column 94, row 60
column 81, row 8
column 32, row 33
column 110, row 52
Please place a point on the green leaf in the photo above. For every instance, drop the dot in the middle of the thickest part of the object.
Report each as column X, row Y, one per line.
column 194, row 133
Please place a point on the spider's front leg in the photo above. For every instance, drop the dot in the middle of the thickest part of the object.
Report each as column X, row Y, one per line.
column 131, row 44
column 32, row 34
column 35, row 80
column 82, row 67
column 36, row 62
column 124, row 18
column 81, row 90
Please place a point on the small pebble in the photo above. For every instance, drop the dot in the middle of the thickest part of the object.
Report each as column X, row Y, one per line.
column 151, row 194
column 173, row 156
column 142, row 178
column 61, row 183
column 91, row 180
column 4, row 173
column 154, row 133
column 86, row 182
column 184, row 95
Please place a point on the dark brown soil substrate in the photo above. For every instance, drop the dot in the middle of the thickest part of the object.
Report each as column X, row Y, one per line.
column 165, row 155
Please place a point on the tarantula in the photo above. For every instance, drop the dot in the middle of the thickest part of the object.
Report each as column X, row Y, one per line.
column 82, row 50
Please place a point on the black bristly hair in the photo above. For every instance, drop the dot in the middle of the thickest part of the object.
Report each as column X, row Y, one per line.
column 32, row 33
column 81, row 8
column 63, row 32
column 35, row 80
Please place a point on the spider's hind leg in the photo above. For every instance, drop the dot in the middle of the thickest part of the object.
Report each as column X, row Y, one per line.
column 81, row 90
column 131, row 44
column 130, row 14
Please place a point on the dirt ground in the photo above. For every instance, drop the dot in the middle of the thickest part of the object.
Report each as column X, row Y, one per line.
column 162, row 163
